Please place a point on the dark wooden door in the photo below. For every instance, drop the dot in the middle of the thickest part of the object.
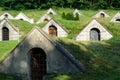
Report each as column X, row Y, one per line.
column 5, row 33
column 37, row 64
column 94, row 34
column 52, row 30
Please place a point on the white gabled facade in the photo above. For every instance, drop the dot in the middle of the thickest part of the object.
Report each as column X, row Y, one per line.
column 43, row 18
column 6, row 15
column 13, row 32
column 22, row 16
column 50, row 11
column 61, row 32
column 76, row 11
column 84, row 35
column 101, row 14
column 116, row 18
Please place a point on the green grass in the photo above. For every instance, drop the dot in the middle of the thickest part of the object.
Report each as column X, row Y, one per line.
column 8, row 77
column 6, row 47
column 101, row 59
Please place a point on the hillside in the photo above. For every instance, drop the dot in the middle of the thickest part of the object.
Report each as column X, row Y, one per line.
column 100, row 58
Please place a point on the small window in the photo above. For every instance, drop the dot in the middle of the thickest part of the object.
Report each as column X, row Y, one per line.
column 6, row 15
column 46, row 20
column 118, row 20
column 102, row 15
column 50, row 13
column 21, row 19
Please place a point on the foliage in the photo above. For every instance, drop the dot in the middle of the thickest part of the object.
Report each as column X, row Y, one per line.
column 38, row 4
column 63, row 15
column 70, row 16
column 77, row 16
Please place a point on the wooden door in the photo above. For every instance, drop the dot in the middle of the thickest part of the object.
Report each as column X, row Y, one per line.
column 52, row 30
column 37, row 64
column 94, row 34
column 5, row 33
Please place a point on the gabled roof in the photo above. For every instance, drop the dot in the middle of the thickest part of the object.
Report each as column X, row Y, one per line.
column 45, row 16
column 29, row 38
column 85, row 33
column 53, row 22
column 3, row 23
column 117, row 16
column 51, row 11
column 9, row 16
column 76, row 11
column 24, row 17
column 98, row 15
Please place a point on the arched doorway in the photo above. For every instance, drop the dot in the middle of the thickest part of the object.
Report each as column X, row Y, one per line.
column 94, row 34
column 102, row 15
column 50, row 12
column 21, row 19
column 6, row 15
column 118, row 20
column 46, row 20
column 37, row 64
column 52, row 30
column 5, row 33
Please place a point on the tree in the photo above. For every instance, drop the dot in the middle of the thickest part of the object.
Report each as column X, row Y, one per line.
column 80, row 4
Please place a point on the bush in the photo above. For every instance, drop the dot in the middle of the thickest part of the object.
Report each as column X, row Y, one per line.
column 63, row 15
column 70, row 16
column 77, row 16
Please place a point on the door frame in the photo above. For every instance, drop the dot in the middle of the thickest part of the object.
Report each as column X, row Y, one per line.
column 99, row 35
column 28, row 62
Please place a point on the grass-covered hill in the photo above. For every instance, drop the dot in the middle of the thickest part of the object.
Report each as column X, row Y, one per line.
column 100, row 58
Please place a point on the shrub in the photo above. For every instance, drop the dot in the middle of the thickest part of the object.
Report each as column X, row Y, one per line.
column 76, row 16
column 63, row 15
column 70, row 16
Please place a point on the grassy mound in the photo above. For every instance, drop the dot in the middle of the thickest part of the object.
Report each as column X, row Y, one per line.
column 101, row 58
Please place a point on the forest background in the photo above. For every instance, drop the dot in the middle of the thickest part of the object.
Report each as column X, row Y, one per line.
column 45, row 4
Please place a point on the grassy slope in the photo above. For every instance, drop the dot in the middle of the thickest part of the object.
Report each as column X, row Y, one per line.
column 101, row 59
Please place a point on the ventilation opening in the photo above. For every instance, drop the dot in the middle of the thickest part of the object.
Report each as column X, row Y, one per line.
column 37, row 64
column 52, row 30
column 118, row 20
column 102, row 15
column 46, row 20
column 6, row 15
column 5, row 33
column 95, row 34
column 50, row 13
column 21, row 19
